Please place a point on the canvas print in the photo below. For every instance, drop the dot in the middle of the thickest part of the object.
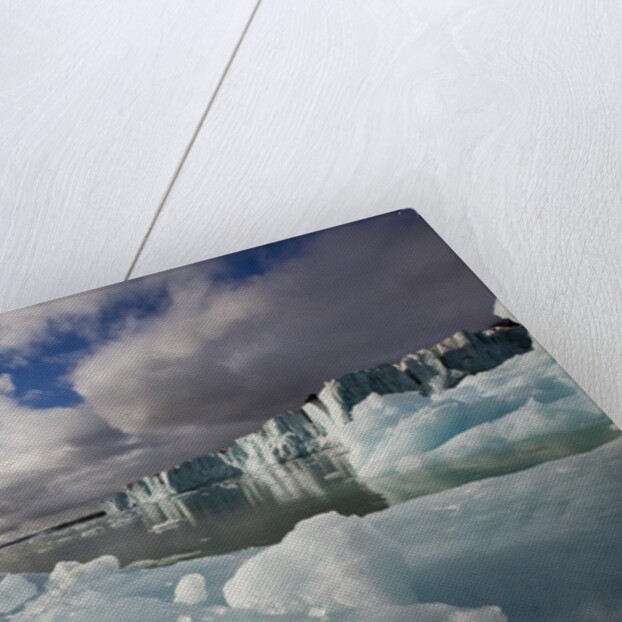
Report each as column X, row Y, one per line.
column 345, row 426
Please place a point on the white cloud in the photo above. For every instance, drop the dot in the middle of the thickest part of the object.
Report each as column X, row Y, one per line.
column 39, row 449
column 159, row 371
column 21, row 331
column 6, row 384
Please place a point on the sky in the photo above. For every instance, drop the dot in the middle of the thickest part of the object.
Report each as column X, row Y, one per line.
column 102, row 388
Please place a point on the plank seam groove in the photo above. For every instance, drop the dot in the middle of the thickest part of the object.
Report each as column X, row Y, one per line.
column 184, row 157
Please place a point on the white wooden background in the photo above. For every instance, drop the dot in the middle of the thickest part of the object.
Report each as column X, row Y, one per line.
column 140, row 136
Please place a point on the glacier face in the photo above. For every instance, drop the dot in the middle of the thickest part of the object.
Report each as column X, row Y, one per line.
column 316, row 425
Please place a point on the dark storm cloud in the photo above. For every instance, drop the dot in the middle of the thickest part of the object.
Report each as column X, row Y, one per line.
column 228, row 353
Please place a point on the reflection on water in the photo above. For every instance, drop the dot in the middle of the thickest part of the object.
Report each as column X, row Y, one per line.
column 260, row 510
column 224, row 517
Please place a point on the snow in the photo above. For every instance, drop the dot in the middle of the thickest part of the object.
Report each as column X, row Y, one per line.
column 427, row 371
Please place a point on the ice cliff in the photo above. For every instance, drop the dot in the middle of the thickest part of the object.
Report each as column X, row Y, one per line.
column 306, row 431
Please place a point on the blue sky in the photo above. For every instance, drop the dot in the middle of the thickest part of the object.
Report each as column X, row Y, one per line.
column 40, row 378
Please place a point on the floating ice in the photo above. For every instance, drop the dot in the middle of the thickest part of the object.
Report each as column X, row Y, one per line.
column 540, row 545
column 319, row 423
column 69, row 575
column 545, row 543
column 191, row 589
column 527, row 397
column 15, row 591
column 326, row 561
column 429, row 612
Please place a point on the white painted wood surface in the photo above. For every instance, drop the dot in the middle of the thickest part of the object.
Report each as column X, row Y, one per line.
column 499, row 121
column 98, row 102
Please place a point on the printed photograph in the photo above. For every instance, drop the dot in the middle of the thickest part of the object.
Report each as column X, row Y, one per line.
column 345, row 426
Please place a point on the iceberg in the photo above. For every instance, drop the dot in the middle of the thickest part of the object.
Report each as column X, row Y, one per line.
column 526, row 399
column 330, row 561
column 191, row 589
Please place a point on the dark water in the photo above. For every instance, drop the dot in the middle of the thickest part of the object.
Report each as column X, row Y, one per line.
column 259, row 511
column 215, row 520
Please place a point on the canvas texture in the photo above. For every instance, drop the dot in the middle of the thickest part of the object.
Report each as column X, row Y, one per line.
column 345, row 426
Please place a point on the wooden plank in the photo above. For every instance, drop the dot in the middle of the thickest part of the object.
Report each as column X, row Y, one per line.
column 97, row 104
column 499, row 121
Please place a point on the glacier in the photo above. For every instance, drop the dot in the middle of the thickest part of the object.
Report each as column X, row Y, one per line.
column 318, row 425
column 473, row 405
